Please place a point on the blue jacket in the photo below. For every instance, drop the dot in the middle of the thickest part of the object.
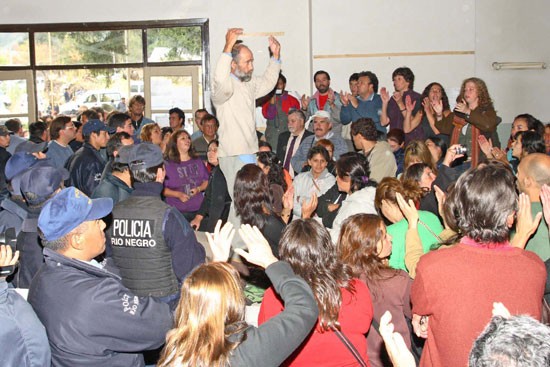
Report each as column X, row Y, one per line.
column 91, row 318
column 370, row 108
column 85, row 168
column 23, row 339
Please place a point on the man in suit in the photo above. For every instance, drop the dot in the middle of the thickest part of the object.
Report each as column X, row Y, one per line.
column 292, row 138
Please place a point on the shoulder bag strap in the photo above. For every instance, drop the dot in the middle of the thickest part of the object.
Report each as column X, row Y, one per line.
column 350, row 347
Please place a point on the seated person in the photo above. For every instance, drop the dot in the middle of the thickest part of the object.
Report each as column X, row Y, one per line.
column 379, row 155
column 211, row 330
column 353, row 179
column 315, row 182
column 331, row 164
column 512, row 341
column 90, row 317
column 217, row 201
column 210, row 127
column 481, row 207
column 278, row 185
column 186, row 175
column 429, row 226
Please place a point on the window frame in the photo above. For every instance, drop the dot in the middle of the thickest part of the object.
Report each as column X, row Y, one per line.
column 31, row 29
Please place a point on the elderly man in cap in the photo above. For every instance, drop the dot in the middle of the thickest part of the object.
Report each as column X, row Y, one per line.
column 91, row 318
column 322, row 127
column 87, row 164
column 37, row 184
column 152, row 244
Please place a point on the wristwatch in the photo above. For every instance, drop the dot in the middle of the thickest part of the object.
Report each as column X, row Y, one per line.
column 7, row 270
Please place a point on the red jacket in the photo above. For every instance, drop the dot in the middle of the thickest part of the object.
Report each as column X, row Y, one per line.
column 270, row 110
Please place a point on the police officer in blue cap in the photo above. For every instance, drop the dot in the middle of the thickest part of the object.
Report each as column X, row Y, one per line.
column 91, row 318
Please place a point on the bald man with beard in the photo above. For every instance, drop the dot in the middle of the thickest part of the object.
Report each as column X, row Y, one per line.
column 533, row 172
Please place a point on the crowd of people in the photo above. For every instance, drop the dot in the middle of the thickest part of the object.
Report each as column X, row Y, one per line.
column 365, row 228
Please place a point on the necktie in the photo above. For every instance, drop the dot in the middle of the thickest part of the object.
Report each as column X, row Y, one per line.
column 289, row 153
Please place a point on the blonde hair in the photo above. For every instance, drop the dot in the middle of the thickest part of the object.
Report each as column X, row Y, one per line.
column 210, row 311
column 147, row 130
column 418, row 152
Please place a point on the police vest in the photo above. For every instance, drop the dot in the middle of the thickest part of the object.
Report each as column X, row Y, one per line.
column 139, row 249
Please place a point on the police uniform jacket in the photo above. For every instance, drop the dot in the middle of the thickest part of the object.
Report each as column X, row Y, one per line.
column 85, row 168
column 91, row 318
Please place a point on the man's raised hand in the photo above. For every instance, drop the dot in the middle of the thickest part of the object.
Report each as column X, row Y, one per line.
column 275, row 47
column 231, row 38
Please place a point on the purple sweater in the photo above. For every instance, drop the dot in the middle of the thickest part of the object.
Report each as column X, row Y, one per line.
column 184, row 176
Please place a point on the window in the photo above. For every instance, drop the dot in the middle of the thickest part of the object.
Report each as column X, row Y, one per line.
column 88, row 48
column 15, row 49
column 77, row 66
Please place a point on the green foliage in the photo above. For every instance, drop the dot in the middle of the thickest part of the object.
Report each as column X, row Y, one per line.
column 184, row 43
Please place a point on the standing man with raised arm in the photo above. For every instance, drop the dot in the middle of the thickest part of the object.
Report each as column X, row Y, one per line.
column 234, row 93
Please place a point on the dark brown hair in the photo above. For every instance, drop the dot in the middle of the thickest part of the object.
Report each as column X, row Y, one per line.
column 251, row 195
column 359, row 236
column 172, row 151
column 57, row 125
column 306, row 245
column 389, row 186
column 481, row 201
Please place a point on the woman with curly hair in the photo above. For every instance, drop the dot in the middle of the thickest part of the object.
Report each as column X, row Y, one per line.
column 435, row 105
column 365, row 245
column 210, row 328
column 151, row 133
column 427, row 224
column 474, row 110
column 345, row 305
column 186, row 175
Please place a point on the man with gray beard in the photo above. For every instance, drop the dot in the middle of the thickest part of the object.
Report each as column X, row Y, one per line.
column 234, row 93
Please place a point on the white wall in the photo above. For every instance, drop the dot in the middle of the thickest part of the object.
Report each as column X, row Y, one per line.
column 514, row 31
column 494, row 30
column 381, row 27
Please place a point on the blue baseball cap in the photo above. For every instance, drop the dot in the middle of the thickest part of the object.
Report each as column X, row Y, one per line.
column 69, row 209
column 37, row 184
column 95, row 126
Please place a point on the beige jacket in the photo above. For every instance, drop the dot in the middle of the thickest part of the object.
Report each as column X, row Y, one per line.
column 235, row 102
